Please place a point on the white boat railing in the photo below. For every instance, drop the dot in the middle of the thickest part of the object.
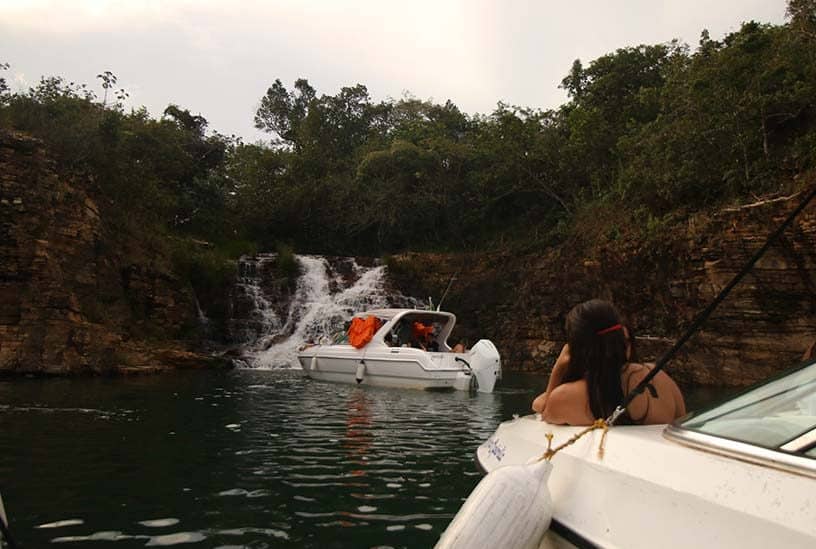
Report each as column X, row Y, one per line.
column 784, row 461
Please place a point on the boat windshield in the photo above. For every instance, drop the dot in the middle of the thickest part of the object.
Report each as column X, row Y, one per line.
column 779, row 415
column 340, row 338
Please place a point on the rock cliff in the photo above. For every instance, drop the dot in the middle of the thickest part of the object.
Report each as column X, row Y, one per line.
column 77, row 297
column 660, row 285
column 72, row 299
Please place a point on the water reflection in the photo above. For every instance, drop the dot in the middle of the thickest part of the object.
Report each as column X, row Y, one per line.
column 358, row 436
column 244, row 458
column 405, row 460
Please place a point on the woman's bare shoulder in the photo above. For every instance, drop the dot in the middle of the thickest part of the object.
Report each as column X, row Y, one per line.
column 634, row 372
column 568, row 403
column 638, row 367
column 571, row 389
column 662, row 403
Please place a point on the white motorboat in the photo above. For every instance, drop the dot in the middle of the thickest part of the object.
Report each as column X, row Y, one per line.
column 740, row 474
column 389, row 358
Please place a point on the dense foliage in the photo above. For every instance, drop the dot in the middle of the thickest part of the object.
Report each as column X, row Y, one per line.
column 648, row 132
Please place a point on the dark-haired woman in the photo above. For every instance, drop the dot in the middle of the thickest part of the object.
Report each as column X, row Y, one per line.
column 593, row 374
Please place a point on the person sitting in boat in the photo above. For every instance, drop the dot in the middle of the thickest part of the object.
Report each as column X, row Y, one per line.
column 593, row 374
column 421, row 335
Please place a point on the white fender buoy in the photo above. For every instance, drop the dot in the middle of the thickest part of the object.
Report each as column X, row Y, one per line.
column 360, row 372
column 313, row 363
column 511, row 507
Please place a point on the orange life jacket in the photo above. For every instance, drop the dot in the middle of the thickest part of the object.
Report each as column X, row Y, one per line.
column 362, row 330
column 421, row 332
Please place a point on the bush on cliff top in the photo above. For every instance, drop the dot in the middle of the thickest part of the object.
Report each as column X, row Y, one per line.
column 647, row 130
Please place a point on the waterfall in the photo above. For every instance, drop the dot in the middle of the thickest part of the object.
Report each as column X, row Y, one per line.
column 323, row 301
column 258, row 317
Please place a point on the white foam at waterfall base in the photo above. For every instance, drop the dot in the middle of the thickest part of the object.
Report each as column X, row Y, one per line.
column 316, row 314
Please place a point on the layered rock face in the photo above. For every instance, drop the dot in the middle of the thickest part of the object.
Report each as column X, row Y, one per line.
column 769, row 319
column 76, row 299
column 69, row 303
column 765, row 325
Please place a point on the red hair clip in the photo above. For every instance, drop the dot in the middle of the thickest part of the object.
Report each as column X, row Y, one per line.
column 613, row 328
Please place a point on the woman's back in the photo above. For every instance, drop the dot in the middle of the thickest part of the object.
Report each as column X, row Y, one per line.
column 569, row 402
column 593, row 374
column 646, row 408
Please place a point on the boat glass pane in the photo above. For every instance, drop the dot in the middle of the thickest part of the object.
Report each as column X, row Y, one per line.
column 769, row 415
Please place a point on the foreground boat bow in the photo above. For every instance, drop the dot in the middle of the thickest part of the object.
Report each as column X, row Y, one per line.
column 741, row 474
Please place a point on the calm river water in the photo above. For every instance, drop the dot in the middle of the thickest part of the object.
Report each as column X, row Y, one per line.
column 244, row 458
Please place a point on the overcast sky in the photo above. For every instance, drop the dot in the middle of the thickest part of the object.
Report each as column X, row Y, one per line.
column 218, row 57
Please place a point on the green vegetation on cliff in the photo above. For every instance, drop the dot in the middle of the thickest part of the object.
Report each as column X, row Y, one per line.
column 648, row 132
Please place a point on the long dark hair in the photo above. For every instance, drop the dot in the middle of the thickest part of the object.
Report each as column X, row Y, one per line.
column 597, row 345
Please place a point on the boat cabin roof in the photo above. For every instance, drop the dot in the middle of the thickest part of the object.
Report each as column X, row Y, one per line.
column 771, row 424
column 389, row 314
column 392, row 317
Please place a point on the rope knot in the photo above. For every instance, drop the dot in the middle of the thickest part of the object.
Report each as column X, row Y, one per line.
column 598, row 424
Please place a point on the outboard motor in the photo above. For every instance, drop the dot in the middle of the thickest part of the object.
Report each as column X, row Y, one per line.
column 485, row 363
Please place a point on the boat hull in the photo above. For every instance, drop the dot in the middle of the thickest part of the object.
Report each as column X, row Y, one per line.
column 401, row 367
column 648, row 491
column 409, row 349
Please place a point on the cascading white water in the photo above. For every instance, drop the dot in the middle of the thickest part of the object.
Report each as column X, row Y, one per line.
column 319, row 309
column 262, row 318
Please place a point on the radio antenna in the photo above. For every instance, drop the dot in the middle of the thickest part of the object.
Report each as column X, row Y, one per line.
column 450, row 282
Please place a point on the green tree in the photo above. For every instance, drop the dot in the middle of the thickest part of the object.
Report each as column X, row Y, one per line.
column 258, row 195
column 802, row 15
column 398, row 200
column 576, row 81
column 108, row 82
column 3, row 86
column 283, row 113
column 728, row 118
column 611, row 98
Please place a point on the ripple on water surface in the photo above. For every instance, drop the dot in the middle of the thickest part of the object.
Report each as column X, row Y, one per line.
column 281, row 461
